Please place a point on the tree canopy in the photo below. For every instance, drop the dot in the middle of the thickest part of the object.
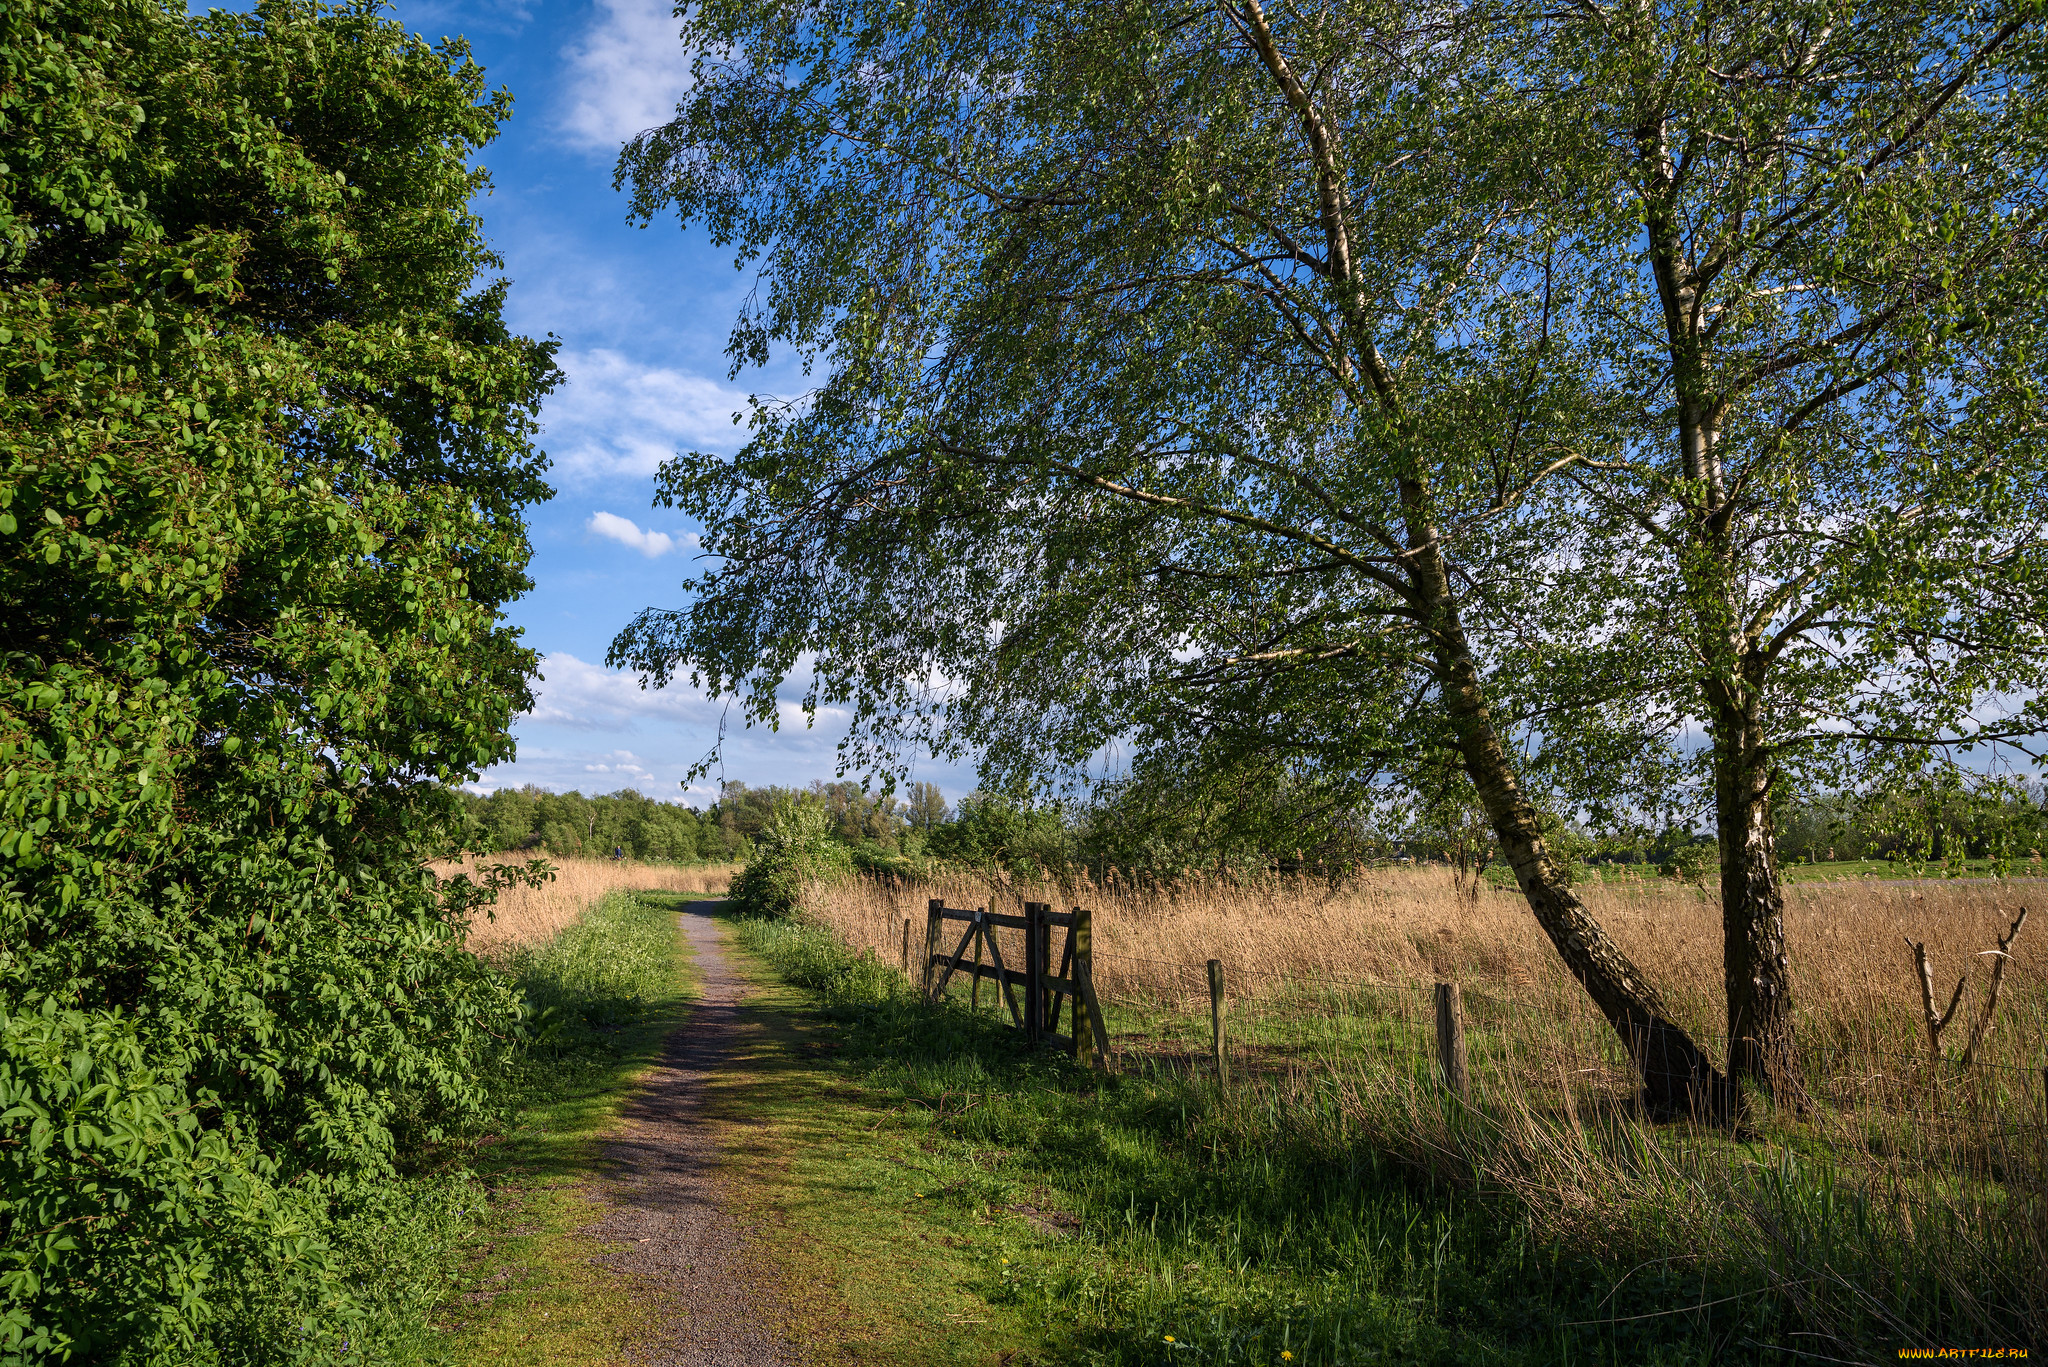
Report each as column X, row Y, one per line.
column 264, row 445
column 1286, row 395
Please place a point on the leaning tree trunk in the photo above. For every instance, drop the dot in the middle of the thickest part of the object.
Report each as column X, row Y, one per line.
column 1679, row 1079
column 1756, row 967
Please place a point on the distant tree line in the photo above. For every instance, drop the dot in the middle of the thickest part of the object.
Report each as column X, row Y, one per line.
column 1937, row 816
column 1931, row 819
column 1139, row 834
column 636, row 826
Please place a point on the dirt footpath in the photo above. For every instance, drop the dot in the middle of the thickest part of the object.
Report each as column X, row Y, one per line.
column 671, row 1227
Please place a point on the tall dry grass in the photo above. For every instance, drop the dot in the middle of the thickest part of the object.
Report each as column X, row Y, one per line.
column 1902, row 1190
column 1853, row 974
column 530, row 916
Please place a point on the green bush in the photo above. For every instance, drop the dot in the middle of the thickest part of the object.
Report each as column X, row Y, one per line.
column 264, row 449
column 793, row 850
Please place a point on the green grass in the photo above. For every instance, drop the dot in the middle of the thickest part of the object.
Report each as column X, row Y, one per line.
column 1885, row 868
column 1819, row 871
column 607, row 991
column 1199, row 1228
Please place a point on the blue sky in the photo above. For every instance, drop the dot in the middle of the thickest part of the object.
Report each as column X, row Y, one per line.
column 642, row 314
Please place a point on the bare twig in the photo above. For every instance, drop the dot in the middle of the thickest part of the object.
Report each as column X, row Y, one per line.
column 1936, row 1023
column 2002, row 957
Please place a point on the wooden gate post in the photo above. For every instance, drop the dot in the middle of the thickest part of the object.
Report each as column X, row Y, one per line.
column 981, row 930
column 1085, row 1000
column 1450, row 1039
column 1048, row 967
column 1216, row 1053
column 1080, row 1020
column 934, row 910
column 1034, row 973
column 906, row 947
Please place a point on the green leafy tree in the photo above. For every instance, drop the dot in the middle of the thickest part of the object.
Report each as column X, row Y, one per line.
column 1162, row 821
column 264, row 446
column 1450, row 821
column 859, row 816
column 926, row 809
column 1190, row 383
column 1820, row 228
column 1006, row 836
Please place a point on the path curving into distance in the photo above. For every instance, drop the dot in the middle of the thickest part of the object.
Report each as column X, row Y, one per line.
column 670, row 1225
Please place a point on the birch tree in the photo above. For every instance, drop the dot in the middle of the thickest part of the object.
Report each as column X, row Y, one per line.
column 1187, row 376
column 1820, row 225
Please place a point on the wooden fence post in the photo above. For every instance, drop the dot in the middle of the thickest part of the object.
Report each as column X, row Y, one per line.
column 1034, row 972
column 980, row 933
column 933, row 911
column 1450, row 1039
column 906, row 947
column 1216, row 1053
column 1079, row 1020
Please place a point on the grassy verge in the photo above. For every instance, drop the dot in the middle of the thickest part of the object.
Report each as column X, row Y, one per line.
column 1146, row 1218
column 607, row 990
column 879, row 1258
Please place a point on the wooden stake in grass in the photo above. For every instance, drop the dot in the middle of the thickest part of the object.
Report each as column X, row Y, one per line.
column 1216, row 1022
column 1450, row 1039
column 906, row 946
column 2003, row 956
column 1937, row 1021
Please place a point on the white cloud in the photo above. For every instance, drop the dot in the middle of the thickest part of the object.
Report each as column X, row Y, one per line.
column 596, row 730
column 595, row 771
column 648, row 542
column 618, row 418
column 576, row 693
column 626, row 74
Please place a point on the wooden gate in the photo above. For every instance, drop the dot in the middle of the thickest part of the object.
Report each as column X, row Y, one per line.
column 1045, row 992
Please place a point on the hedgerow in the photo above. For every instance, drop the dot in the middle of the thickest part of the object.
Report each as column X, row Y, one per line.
column 264, row 446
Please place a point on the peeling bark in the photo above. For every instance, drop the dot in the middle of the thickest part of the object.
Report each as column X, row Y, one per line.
column 1756, row 966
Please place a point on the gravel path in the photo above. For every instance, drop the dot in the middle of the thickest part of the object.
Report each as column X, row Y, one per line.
column 670, row 1225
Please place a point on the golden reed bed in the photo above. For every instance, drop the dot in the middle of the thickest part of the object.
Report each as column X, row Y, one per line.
column 1855, row 983
column 1889, row 1174
column 535, row 915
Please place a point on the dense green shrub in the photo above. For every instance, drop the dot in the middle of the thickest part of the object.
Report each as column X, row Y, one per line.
column 794, row 849
column 263, row 454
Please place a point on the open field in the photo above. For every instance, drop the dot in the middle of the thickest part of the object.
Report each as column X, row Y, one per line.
column 524, row 916
column 1902, row 1194
column 1396, row 933
column 2032, row 867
